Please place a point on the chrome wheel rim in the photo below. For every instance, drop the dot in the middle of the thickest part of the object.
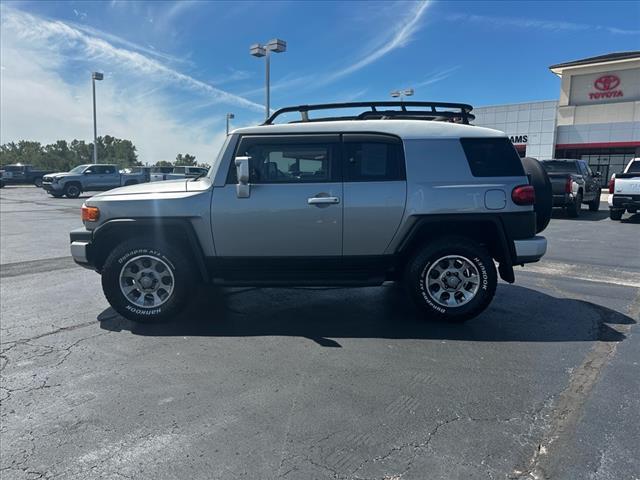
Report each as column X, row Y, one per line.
column 146, row 281
column 452, row 281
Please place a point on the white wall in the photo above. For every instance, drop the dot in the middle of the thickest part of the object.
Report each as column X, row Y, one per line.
column 535, row 120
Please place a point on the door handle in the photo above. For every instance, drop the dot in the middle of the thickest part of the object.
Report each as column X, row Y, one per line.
column 322, row 200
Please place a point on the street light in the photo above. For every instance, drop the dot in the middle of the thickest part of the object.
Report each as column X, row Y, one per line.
column 95, row 76
column 229, row 116
column 407, row 92
column 276, row 45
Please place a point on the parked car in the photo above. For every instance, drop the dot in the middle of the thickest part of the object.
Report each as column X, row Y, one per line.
column 624, row 191
column 401, row 195
column 22, row 174
column 178, row 172
column 573, row 183
column 1, row 178
column 87, row 178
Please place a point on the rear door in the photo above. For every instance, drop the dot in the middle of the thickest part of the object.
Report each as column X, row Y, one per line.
column 375, row 192
column 295, row 204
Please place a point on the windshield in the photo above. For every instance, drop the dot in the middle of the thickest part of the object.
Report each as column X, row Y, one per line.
column 78, row 169
column 562, row 167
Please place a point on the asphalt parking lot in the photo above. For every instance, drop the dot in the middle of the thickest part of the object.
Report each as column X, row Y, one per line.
column 320, row 383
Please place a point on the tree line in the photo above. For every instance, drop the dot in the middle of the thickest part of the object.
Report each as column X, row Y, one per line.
column 62, row 156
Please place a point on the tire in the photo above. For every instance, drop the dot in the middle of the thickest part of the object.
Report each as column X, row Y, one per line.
column 56, row 195
column 573, row 209
column 594, row 205
column 544, row 194
column 38, row 182
column 169, row 271
column 451, row 254
column 615, row 214
column 72, row 190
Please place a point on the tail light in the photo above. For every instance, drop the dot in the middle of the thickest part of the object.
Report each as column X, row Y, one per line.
column 612, row 184
column 568, row 185
column 90, row 214
column 523, row 195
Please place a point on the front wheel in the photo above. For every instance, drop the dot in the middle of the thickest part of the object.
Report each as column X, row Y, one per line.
column 72, row 191
column 146, row 280
column 452, row 279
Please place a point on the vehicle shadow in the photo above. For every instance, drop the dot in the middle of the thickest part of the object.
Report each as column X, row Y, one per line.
column 585, row 214
column 634, row 219
column 517, row 314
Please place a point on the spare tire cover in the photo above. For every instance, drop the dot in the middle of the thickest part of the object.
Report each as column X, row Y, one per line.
column 544, row 197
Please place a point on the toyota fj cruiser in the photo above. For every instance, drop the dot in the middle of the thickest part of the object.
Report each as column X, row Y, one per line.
column 411, row 193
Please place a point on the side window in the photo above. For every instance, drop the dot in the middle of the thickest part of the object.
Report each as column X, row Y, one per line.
column 371, row 159
column 95, row 170
column 294, row 159
column 178, row 170
column 109, row 169
column 492, row 157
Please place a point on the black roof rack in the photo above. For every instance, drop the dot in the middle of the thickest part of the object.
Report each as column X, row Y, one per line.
column 434, row 111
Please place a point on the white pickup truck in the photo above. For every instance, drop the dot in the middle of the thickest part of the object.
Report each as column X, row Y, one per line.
column 624, row 190
column 177, row 173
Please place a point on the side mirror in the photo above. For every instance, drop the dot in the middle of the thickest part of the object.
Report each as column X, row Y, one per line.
column 243, row 189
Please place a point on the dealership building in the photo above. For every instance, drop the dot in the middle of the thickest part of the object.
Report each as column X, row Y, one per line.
column 596, row 118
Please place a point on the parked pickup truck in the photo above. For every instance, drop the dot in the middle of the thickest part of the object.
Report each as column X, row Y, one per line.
column 624, row 190
column 573, row 183
column 178, row 173
column 22, row 174
column 87, row 178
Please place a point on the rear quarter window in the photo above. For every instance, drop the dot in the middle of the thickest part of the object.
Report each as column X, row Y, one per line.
column 492, row 157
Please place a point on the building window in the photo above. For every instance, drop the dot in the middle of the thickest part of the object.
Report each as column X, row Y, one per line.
column 607, row 161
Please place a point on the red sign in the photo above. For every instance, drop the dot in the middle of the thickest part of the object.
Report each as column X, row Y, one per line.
column 607, row 85
column 607, row 82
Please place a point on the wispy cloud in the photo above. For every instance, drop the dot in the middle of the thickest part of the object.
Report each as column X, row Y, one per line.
column 402, row 34
column 549, row 25
column 71, row 40
column 435, row 77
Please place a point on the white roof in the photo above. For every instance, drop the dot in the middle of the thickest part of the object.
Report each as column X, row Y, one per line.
column 405, row 129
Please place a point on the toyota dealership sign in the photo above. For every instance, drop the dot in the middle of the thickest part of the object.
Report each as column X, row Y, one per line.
column 618, row 86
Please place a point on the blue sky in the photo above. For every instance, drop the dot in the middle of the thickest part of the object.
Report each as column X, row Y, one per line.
column 173, row 69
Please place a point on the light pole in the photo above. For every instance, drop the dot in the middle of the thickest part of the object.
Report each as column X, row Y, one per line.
column 229, row 116
column 95, row 76
column 276, row 45
column 407, row 92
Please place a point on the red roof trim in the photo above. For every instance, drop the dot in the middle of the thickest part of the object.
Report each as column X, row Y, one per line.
column 598, row 145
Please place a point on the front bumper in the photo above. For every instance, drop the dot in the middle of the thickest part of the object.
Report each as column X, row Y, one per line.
column 530, row 250
column 81, row 239
column 52, row 187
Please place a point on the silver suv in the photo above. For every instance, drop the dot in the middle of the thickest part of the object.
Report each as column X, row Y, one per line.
column 411, row 193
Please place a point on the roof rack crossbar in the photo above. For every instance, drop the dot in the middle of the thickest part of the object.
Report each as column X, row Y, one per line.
column 454, row 112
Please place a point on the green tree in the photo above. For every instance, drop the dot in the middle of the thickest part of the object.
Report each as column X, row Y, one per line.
column 185, row 160
column 164, row 163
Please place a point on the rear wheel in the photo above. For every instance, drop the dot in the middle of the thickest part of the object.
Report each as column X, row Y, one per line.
column 615, row 213
column 594, row 205
column 573, row 209
column 38, row 182
column 451, row 279
column 72, row 190
column 146, row 280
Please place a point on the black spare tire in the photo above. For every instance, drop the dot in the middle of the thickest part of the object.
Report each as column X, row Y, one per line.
column 544, row 197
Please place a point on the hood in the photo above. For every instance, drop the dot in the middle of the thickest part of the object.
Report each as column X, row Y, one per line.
column 59, row 174
column 168, row 186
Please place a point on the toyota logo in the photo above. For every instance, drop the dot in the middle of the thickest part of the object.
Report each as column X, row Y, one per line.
column 607, row 82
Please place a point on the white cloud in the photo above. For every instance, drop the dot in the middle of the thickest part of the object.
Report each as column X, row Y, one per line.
column 41, row 99
column 550, row 25
column 402, row 35
column 435, row 77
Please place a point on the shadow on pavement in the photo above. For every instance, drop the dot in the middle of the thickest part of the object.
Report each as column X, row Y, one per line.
column 517, row 314
column 585, row 214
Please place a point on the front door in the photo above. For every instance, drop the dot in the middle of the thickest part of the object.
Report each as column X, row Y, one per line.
column 295, row 204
